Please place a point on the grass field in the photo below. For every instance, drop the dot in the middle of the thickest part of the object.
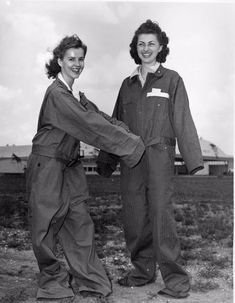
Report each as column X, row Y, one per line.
column 203, row 212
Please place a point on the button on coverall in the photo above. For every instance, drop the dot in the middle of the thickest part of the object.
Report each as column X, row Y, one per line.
column 159, row 113
column 57, row 191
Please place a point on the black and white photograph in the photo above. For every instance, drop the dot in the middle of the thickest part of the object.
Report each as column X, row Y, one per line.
column 116, row 151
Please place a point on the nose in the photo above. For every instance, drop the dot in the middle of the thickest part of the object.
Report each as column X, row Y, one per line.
column 146, row 47
column 77, row 62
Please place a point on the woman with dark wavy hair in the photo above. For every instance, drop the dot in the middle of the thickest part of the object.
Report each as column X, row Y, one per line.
column 150, row 27
column 56, row 182
column 153, row 103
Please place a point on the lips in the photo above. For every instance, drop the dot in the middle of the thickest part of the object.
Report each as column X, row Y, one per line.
column 76, row 70
column 146, row 55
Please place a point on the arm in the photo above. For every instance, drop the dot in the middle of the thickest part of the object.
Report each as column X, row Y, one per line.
column 64, row 112
column 90, row 105
column 185, row 130
column 107, row 162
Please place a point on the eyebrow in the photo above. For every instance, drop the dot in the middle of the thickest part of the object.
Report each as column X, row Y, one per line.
column 147, row 42
column 81, row 57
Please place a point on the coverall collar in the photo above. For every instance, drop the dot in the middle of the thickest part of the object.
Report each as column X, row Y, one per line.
column 62, row 80
column 158, row 73
column 151, row 69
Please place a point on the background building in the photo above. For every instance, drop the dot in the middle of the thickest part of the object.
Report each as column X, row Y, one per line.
column 13, row 159
column 216, row 162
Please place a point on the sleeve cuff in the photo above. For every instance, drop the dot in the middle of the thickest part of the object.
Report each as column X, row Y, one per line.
column 192, row 172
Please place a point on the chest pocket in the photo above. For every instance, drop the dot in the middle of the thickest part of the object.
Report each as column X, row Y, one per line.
column 157, row 107
column 128, row 102
column 157, row 116
column 129, row 111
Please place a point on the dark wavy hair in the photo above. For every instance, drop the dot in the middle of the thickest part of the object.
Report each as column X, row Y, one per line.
column 150, row 27
column 53, row 68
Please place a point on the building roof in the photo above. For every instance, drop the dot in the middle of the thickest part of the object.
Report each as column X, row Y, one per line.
column 21, row 151
column 209, row 151
column 12, row 166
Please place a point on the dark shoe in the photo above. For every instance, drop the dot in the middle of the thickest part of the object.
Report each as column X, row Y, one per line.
column 173, row 294
column 126, row 282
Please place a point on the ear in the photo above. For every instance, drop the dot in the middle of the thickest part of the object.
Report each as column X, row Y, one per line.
column 160, row 49
column 59, row 62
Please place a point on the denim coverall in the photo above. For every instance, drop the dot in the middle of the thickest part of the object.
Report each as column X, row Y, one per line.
column 159, row 113
column 57, row 189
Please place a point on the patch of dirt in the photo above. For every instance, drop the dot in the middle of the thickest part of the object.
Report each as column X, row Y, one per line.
column 204, row 216
column 18, row 283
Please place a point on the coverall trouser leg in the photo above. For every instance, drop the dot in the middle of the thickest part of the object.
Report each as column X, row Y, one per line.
column 136, row 223
column 155, row 174
column 56, row 197
column 78, row 239
column 160, row 192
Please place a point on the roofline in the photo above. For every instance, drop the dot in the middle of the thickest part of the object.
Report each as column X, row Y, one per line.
column 207, row 158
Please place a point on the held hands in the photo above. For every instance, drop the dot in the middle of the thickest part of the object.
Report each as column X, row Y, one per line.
column 104, row 169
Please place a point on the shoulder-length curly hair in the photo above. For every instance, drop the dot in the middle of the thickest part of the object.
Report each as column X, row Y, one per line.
column 53, row 68
column 150, row 27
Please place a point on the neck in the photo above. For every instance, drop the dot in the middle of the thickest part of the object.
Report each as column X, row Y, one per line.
column 144, row 69
column 68, row 80
column 147, row 65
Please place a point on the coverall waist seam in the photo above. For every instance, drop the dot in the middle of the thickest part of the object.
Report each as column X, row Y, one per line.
column 161, row 139
column 54, row 154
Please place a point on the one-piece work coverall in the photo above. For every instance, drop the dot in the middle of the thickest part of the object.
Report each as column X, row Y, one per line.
column 159, row 113
column 57, row 189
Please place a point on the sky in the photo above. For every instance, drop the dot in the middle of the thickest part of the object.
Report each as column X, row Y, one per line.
column 202, row 51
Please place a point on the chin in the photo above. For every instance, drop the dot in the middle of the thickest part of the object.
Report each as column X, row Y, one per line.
column 76, row 76
column 149, row 61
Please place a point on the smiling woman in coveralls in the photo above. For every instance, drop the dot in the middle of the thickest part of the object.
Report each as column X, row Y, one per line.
column 153, row 103
column 56, row 183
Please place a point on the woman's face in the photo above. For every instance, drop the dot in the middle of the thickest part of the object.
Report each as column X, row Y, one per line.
column 148, row 48
column 72, row 64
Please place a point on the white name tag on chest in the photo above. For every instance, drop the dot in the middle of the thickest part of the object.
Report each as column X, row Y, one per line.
column 156, row 92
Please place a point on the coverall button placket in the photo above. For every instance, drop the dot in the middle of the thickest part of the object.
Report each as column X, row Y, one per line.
column 142, row 102
column 144, row 99
column 139, row 107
